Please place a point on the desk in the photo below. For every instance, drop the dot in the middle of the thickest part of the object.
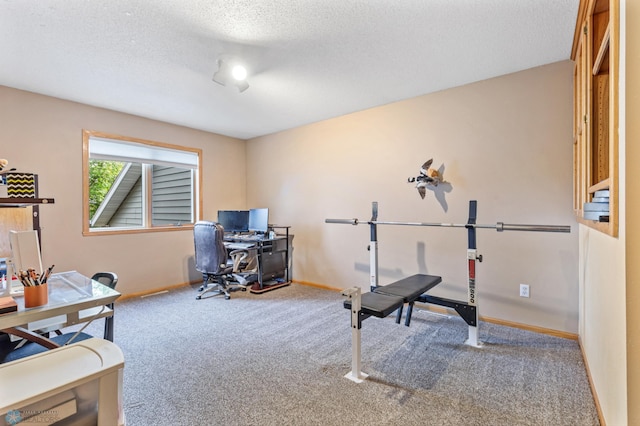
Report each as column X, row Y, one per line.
column 73, row 299
column 273, row 258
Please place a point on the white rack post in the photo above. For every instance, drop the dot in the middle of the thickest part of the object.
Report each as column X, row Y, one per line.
column 354, row 295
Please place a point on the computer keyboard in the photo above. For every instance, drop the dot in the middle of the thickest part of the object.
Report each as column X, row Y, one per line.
column 244, row 237
column 238, row 246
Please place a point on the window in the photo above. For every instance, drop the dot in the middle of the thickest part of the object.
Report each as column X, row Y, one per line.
column 133, row 185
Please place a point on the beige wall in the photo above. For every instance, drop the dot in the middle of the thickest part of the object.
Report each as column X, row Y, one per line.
column 603, row 313
column 43, row 135
column 506, row 142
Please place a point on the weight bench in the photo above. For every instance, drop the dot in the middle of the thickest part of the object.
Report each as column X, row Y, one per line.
column 381, row 302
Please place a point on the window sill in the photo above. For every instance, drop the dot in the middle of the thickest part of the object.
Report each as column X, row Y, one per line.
column 93, row 232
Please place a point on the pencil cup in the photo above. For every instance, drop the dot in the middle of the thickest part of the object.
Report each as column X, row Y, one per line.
column 36, row 295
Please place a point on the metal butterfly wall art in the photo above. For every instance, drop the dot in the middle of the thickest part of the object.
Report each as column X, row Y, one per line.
column 427, row 177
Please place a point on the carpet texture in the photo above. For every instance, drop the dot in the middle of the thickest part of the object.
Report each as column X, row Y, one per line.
column 279, row 358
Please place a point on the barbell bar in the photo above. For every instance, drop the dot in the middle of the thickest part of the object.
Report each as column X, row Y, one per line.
column 500, row 226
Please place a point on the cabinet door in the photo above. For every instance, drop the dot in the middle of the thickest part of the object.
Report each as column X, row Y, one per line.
column 599, row 36
column 595, row 163
column 581, row 127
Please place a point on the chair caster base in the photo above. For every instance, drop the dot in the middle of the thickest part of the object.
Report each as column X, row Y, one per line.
column 213, row 293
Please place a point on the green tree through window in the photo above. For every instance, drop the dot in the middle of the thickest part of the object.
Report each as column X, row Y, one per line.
column 102, row 175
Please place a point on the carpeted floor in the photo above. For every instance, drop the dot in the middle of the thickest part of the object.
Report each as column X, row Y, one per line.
column 279, row 358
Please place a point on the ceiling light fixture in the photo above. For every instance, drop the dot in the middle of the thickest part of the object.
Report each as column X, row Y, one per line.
column 230, row 73
column 239, row 73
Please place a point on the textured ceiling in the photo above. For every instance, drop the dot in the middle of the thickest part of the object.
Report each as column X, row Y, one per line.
column 308, row 60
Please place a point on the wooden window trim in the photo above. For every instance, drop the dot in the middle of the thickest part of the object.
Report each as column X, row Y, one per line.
column 87, row 231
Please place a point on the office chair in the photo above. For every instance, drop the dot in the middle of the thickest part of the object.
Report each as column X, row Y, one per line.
column 213, row 261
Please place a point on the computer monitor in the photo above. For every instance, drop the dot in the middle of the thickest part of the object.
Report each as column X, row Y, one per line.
column 259, row 220
column 234, row 220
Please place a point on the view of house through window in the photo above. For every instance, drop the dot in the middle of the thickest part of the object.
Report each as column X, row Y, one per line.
column 133, row 185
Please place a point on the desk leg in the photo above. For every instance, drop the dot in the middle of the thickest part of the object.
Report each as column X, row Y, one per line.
column 260, row 253
column 286, row 256
column 86, row 325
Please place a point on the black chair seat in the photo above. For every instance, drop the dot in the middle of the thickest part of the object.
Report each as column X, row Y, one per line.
column 33, row 348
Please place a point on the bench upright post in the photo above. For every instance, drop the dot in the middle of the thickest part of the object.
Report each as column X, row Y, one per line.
column 354, row 295
column 373, row 247
column 472, row 257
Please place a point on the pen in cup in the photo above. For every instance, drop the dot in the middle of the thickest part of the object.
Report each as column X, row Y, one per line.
column 31, row 278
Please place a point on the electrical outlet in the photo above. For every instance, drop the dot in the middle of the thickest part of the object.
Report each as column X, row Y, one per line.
column 524, row 290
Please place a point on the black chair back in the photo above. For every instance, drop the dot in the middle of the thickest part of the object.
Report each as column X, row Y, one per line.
column 211, row 254
column 109, row 279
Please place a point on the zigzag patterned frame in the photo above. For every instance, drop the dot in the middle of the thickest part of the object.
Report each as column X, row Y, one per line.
column 21, row 185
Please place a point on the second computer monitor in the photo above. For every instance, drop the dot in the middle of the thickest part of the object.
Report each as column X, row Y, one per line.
column 259, row 220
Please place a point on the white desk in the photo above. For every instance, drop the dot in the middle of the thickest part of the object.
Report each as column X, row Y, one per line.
column 73, row 299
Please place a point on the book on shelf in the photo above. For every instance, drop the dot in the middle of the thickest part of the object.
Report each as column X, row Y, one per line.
column 600, row 199
column 599, row 216
column 596, row 207
column 7, row 304
column 602, row 193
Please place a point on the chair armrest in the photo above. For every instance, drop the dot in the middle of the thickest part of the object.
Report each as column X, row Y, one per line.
column 31, row 337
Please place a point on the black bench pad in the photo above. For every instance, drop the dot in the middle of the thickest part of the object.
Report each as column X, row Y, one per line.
column 378, row 305
column 388, row 298
column 410, row 288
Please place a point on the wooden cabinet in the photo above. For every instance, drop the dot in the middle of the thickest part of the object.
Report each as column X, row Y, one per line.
column 19, row 214
column 595, row 127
